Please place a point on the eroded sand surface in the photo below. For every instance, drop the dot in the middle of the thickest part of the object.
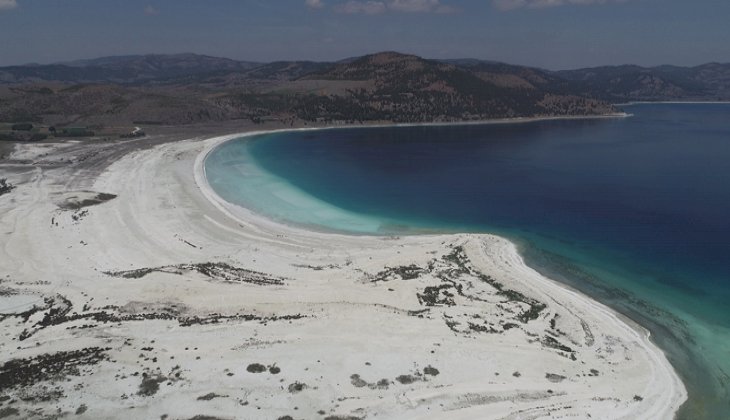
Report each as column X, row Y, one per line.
column 125, row 292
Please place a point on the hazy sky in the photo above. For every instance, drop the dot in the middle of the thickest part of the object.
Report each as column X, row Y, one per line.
column 555, row 34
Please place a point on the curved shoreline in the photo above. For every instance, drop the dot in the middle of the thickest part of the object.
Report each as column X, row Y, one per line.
column 167, row 303
column 246, row 216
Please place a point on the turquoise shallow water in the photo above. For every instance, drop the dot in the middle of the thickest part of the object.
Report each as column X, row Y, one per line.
column 631, row 211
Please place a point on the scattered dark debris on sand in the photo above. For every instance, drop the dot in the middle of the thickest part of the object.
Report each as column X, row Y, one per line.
column 459, row 258
column 78, row 215
column 45, row 367
column 58, row 311
column 405, row 272
column 186, row 242
column 216, row 271
column 455, row 272
column 343, row 418
column 5, row 186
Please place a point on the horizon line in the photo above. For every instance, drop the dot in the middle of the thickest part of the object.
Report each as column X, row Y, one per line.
column 265, row 62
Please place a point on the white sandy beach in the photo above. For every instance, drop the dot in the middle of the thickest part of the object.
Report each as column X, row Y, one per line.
column 167, row 302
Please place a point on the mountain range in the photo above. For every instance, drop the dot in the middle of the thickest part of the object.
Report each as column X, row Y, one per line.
column 387, row 86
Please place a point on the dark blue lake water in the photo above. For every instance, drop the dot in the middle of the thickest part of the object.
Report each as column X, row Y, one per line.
column 633, row 211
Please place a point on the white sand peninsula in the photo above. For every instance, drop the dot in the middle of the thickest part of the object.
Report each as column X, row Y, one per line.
column 127, row 293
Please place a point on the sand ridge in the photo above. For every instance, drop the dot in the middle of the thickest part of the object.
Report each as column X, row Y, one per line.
column 164, row 300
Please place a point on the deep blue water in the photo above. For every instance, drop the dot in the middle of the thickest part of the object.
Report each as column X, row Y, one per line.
column 633, row 211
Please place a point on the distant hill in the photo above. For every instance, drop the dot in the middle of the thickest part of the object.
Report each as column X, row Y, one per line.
column 285, row 70
column 388, row 86
column 634, row 83
column 399, row 87
column 132, row 69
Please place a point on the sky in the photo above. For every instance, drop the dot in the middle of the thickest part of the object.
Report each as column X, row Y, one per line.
column 552, row 34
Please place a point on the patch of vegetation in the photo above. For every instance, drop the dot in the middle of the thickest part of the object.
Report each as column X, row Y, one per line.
column 548, row 341
column 22, row 136
column 357, row 381
column 22, row 127
column 297, row 387
column 430, row 370
column 210, row 396
column 256, row 368
column 58, row 311
column 5, row 186
column 554, row 377
column 405, row 272
column 343, row 418
column 437, row 295
column 87, row 202
column 8, row 412
column 52, row 366
column 205, row 417
column 407, row 379
column 216, row 271
column 381, row 384
column 483, row 328
column 532, row 313
column 150, row 384
column 216, row 318
column 317, row 267
column 459, row 258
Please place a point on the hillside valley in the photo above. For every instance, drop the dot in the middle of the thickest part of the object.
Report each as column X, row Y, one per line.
column 382, row 87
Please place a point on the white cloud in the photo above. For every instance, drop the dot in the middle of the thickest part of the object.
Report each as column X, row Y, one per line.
column 540, row 4
column 8, row 4
column 314, row 4
column 374, row 7
column 364, row 7
column 151, row 11
column 414, row 5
